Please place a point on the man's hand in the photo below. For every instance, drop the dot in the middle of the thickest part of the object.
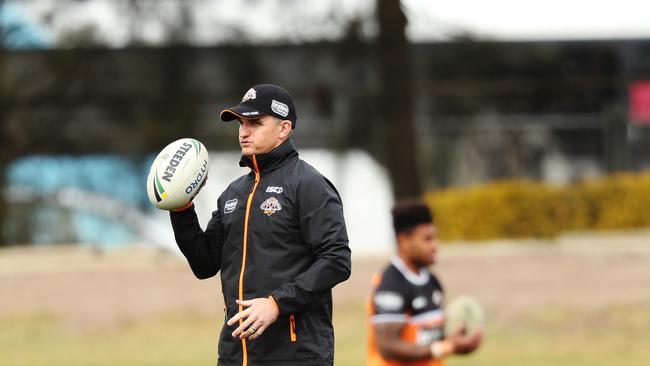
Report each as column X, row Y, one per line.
column 464, row 344
column 258, row 315
column 190, row 204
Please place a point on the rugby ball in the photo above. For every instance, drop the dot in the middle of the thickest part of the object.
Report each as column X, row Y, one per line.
column 464, row 310
column 177, row 174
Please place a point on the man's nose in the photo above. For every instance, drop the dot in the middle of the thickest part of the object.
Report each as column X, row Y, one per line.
column 243, row 131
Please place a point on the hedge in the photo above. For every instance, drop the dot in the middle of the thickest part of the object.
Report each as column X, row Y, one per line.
column 521, row 208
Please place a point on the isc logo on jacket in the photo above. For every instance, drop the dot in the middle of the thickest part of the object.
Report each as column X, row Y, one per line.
column 271, row 189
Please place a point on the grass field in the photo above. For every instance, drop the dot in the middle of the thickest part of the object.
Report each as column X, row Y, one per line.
column 618, row 336
column 545, row 307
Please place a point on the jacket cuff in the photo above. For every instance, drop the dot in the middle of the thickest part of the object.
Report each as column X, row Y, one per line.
column 275, row 303
column 284, row 306
column 184, row 208
column 181, row 211
column 180, row 219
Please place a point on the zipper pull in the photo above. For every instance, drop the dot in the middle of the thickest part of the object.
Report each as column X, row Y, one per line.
column 292, row 328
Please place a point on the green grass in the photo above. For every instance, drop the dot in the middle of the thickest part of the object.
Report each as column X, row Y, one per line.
column 170, row 339
column 557, row 336
column 564, row 336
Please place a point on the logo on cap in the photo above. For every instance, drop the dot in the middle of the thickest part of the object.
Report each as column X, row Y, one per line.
column 250, row 94
column 279, row 108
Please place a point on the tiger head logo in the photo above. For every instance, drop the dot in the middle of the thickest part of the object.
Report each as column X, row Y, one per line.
column 250, row 94
column 271, row 206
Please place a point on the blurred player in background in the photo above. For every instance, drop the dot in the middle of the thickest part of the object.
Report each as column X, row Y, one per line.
column 406, row 304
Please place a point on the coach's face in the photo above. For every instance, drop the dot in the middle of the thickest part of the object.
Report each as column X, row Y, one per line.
column 261, row 135
column 422, row 244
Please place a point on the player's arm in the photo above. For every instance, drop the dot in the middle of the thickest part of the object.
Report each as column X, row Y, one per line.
column 392, row 347
column 201, row 248
column 462, row 343
column 390, row 304
column 323, row 227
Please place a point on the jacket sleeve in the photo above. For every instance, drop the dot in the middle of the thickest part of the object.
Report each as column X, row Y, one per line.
column 323, row 228
column 202, row 249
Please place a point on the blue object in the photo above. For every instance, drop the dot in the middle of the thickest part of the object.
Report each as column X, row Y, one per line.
column 18, row 33
column 111, row 178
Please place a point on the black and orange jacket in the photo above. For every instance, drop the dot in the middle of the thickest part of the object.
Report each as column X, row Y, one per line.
column 413, row 300
column 278, row 231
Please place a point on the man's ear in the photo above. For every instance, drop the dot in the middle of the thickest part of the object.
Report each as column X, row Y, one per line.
column 286, row 128
column 403, row 238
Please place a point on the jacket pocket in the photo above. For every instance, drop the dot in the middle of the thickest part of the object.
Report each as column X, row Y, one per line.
column 292, row 328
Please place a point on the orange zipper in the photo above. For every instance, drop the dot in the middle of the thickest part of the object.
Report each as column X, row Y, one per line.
column 292, row 328
column 243, row 257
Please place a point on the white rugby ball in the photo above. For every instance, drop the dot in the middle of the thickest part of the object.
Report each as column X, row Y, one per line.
column 464, row 310
column 177, row 174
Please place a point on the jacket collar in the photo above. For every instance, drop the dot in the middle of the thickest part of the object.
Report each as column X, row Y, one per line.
column 273, row 159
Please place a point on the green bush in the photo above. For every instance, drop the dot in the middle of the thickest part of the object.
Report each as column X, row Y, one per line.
column 520, row 208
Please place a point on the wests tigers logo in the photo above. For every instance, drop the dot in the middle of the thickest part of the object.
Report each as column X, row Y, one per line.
column 271, row 206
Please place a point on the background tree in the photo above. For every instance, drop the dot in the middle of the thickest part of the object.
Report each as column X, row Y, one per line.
column 398, row 142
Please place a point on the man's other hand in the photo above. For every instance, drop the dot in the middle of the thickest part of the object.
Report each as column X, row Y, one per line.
column 258, row 314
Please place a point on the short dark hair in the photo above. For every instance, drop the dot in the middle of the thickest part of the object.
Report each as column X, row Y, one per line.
column 407, row 214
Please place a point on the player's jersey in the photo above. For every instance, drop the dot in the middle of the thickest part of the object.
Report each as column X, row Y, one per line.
column 401, row 296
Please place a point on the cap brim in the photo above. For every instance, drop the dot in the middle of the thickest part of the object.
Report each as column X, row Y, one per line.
column 240, row 111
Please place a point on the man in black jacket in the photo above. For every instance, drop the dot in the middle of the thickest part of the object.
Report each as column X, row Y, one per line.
column 278, row 237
